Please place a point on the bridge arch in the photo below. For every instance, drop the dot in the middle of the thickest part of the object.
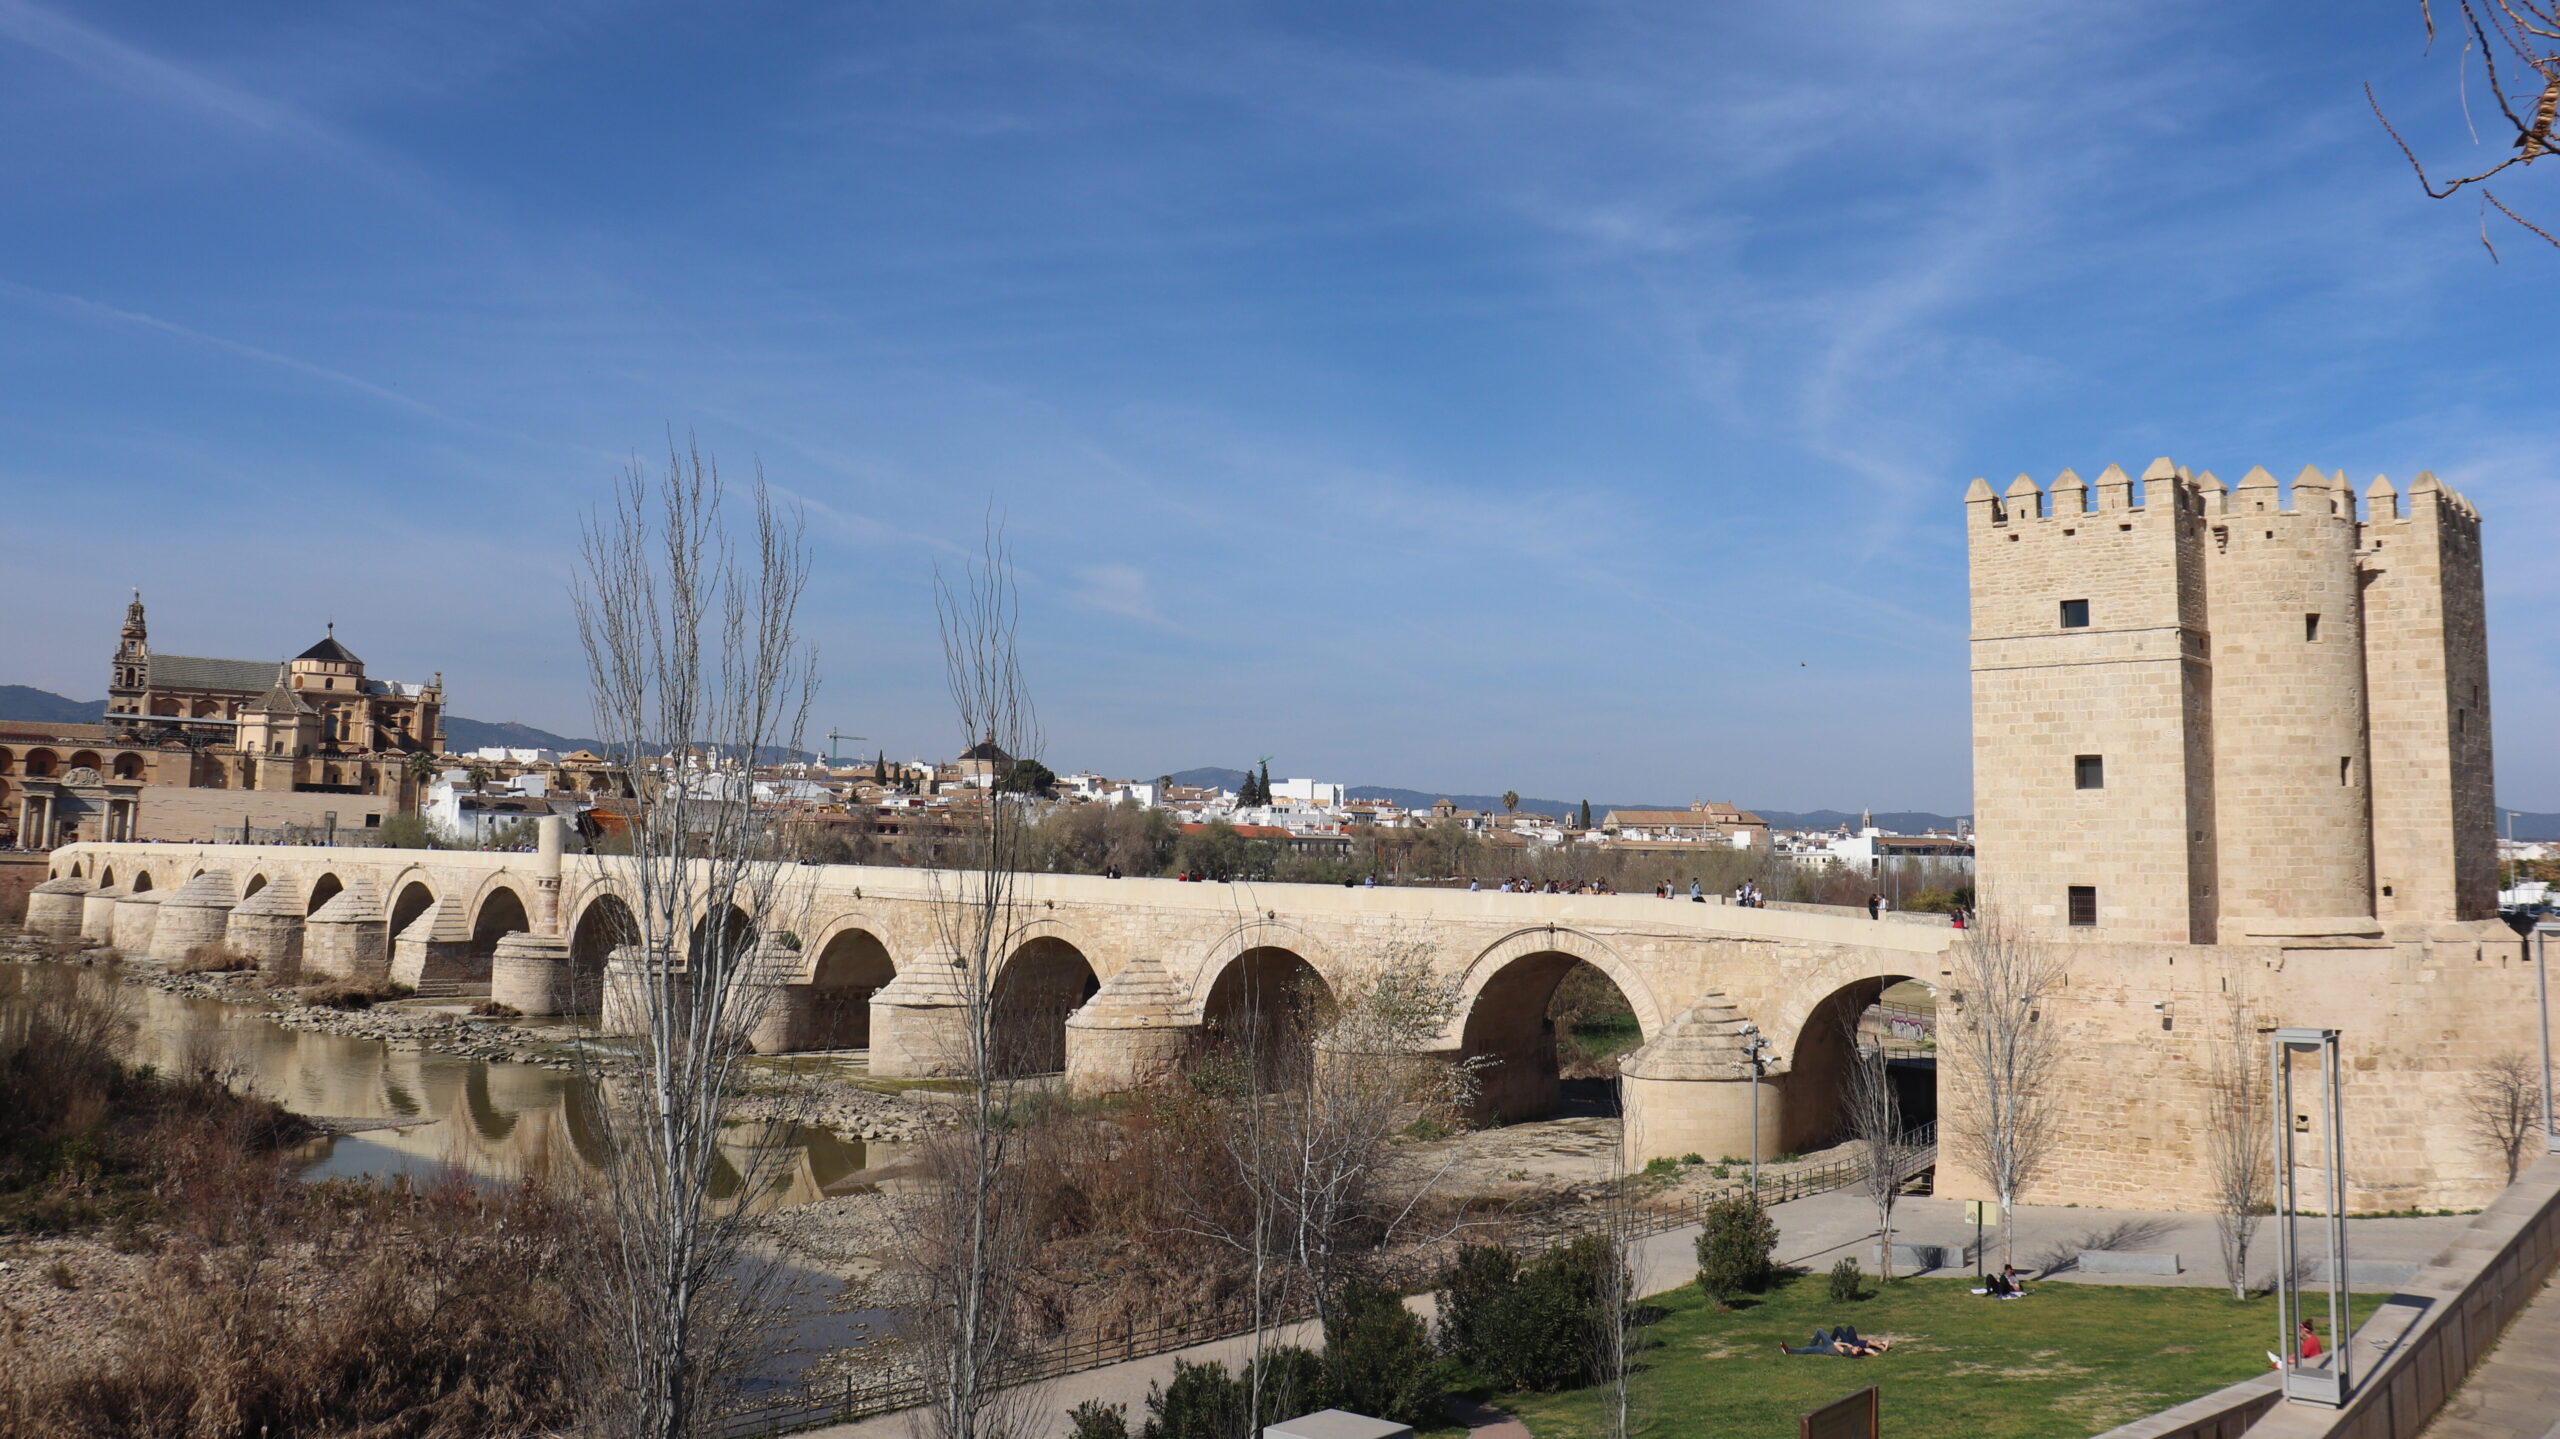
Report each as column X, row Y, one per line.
column 1266, row 1004
column 1506, row 1022
column 1044, row 980
column 141, row 882
column 1829, row 1021
column 409, row 899
column 603, row 924
column 499, row 911
column 1213, row 962
column 848, row 964
column 256, row 882
column 323, row 890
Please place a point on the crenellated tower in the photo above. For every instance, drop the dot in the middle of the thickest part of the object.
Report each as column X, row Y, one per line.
column 2207, row 714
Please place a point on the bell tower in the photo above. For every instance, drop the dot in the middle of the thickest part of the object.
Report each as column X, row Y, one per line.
column 132, row 671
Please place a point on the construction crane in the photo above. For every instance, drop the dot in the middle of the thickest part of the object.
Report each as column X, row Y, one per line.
column 833, row 740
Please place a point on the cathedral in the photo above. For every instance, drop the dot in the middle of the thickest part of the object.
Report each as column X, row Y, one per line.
column 314, row 724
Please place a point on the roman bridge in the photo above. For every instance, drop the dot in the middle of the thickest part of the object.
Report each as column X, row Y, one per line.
column 1110, row 981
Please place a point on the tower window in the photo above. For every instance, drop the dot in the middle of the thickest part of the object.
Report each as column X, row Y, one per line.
column 2084, row 905
column 2346, row 769
column 2311, row 627
column 2075, row 614
column 2089, row 771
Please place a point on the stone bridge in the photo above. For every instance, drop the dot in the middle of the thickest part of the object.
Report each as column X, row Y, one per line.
column 1110, row 981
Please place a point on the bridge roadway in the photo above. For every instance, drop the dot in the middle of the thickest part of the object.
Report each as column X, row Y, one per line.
column 1112, row 981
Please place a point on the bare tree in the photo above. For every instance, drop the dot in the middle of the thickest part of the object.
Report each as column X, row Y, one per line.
column 2005, row 1051
column 975, row 1238
column 2504, row 1100
column 2525, row 87
column 1872, row 1111
column 692, row 648
column 2235, row 1138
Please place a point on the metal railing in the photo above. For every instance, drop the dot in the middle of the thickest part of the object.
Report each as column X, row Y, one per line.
column 847, row 1400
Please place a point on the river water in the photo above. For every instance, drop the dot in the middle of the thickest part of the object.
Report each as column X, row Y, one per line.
column 492, row 1120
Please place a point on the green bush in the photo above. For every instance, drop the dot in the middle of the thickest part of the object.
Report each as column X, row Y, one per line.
column 1378, row 1360
column 1734, row 1248
column 1204, row 1401
column 1529, row 1326
column 1094, row 1419
column 1846, row 1282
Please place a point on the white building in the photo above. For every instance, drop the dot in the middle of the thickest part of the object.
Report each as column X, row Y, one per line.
column 1314, row 794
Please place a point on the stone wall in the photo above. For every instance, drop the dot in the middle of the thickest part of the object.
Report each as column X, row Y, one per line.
column 171, row 814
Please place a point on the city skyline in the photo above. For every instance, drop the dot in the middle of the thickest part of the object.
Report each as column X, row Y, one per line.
column 1574, row 403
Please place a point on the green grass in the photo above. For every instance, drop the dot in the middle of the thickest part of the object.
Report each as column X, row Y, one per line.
column 2068, row 1360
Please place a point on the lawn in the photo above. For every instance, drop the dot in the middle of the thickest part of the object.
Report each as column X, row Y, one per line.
column 2069, row 1360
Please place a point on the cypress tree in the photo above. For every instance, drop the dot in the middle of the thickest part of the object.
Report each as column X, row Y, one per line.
column 1586, row 814
column 1265, row 790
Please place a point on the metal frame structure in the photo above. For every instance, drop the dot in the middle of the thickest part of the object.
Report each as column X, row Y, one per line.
column 2543, row 930
column 2318, row 1383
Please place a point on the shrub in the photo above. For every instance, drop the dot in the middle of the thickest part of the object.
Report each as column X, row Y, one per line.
column 1734, row 1246
column 492, row 1009
column 337, row 996
column 1094, row 1419
column 1377, row 1359
column 1204, row 1401
column 1295, row 1382
column 1846, row 1287
column 59, row 1275
column 213, row 959
column 1533, row 1326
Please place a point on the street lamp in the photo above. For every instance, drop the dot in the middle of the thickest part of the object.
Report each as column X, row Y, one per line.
column 1758, row 1049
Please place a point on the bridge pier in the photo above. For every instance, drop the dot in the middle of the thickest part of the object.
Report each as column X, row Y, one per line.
column 919, row 1021
column 137, row 917
column 195, row 913
column 530, row 973
column 433, row 954
column 1689, row 1090
column 267, row 927
column 98, row 913
column 53, row 907
column 345, row 938
column 1132, row 1034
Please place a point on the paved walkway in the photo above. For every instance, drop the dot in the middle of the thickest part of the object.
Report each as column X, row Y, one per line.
column 1813, row 1233
column 2515, row 1393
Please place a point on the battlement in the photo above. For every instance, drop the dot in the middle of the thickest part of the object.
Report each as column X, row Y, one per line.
column 2070, row 499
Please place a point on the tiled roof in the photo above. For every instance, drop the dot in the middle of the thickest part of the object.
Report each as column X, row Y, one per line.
column 192, row 672
column 331, row 651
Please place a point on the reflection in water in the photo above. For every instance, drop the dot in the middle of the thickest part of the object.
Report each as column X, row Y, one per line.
column 491, row 1120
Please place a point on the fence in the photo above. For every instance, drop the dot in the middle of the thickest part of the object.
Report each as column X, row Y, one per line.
column 1117, row 1343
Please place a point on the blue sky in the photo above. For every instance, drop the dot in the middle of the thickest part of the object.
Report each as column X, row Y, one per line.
column 1567, row 398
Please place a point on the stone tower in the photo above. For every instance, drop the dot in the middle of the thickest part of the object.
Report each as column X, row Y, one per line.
column 2206, row 715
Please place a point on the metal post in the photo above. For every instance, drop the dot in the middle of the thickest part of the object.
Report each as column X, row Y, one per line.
column 2542, row 932
column 1752, row 1033
column 2327, row 1385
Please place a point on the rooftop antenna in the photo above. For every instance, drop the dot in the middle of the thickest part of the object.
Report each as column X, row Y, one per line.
column 833, row 739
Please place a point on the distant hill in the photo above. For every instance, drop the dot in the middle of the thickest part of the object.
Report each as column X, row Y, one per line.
column 2529, row 826
column 23, row 702
column 464, row 735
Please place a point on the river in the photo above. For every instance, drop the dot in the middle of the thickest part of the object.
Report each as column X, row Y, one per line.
column 492, row 1120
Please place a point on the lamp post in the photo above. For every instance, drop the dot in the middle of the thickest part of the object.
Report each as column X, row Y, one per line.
column 2542, row 932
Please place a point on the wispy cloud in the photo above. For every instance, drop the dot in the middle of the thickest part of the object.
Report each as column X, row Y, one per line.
column 87, row 309
column 1123, row 590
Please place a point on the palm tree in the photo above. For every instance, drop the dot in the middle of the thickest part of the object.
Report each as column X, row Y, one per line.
column 422, row 766
column 1511, row 801
column 479, row 775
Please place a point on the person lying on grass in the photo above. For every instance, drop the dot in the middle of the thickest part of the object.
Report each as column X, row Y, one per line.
column 1843, row 1342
